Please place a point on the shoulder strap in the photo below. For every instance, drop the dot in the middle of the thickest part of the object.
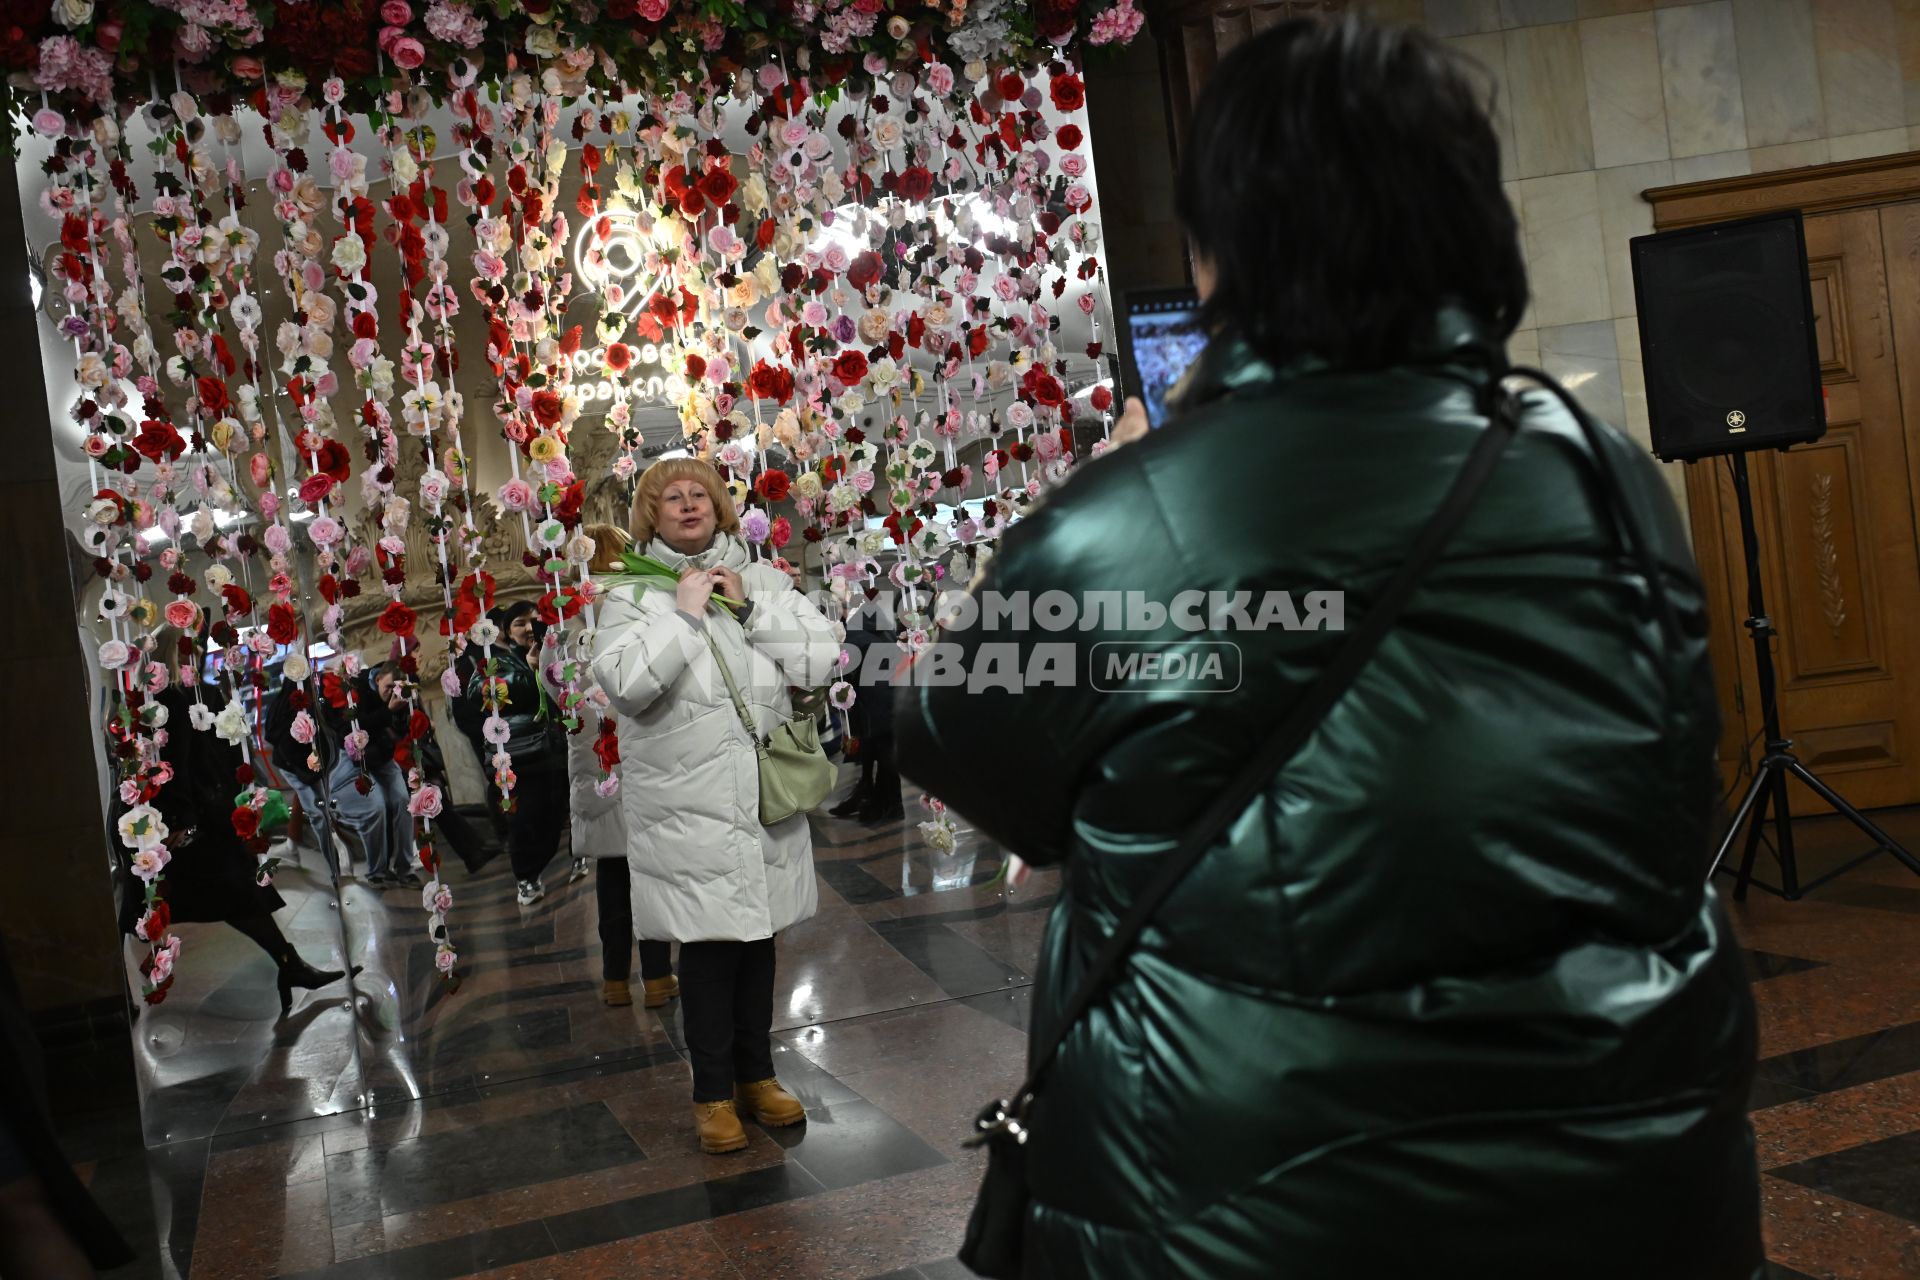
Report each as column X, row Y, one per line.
column 733, row 691
column 1301, row 720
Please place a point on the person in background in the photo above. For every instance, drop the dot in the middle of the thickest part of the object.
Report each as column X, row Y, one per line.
column 600, row 833
column 378, row 816
column 1449, row 997
column 706, row 872
column 875, row 798
column 211, row 877
column 537, row 744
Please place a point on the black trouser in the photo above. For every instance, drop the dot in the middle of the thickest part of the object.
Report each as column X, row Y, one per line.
column 533, row 828
column 613, row 894
column 726, row 1002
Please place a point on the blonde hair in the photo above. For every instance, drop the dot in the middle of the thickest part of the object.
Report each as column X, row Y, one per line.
column 608, row 542
column 654, row 481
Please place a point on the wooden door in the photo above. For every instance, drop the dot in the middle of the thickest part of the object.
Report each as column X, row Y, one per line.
column 1836, row 532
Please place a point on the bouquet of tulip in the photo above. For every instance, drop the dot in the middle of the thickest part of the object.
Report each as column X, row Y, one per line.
column 645, row 571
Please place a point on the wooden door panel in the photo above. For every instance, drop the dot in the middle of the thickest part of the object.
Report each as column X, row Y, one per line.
column 1836, row 534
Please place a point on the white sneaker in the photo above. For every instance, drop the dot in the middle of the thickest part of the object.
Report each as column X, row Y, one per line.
column 531, row 891
column 581, row 866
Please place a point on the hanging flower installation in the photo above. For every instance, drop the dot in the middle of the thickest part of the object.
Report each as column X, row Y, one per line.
column 843, row 241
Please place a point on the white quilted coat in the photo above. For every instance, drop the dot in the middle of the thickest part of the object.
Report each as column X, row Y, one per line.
column 704, row 869
column 598, row 829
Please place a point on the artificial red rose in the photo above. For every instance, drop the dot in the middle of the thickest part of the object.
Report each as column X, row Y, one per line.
column 914, row 184
column 1043, row 388
column 567, row 510
column 335, row 461
column 1069, row 137
column 864, row 270
column 238, row 601
column 315, row 488
column 158, row 440
column 850, row 367
column 570, row 341
column 764, row 233
column 773, row 484
column 606, row 745
column 718, row 185
column 548, row 406
column 1101, row 399
column 1068, row 92
column 770, row 382
column 212, row 396
column 246, row 822
column 696, row 366
column 1010, row 86
column 396, row 619
column 283, row 624
column 618, row 356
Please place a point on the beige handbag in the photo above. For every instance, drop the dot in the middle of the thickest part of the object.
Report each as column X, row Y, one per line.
column 795, row 774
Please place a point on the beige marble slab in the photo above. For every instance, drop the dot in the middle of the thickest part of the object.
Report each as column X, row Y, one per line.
column 1700, row 69
column 1858, row 146
column 1790, row 155
column 1779, row 71
column 1625, row 102
column 1624, row 215
column 1565, row 258
column 1858, row 43
column 1462, row 17
column 1547, row 91
column 1488, row 53
column 1724, row 164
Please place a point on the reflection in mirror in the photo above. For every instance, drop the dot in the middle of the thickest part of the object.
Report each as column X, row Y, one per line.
column 245, row 1020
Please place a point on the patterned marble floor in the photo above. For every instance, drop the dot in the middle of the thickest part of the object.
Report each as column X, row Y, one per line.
column 519, row 1128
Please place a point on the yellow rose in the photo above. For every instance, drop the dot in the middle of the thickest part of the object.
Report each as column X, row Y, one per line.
column 144, row 611
column 543, row 448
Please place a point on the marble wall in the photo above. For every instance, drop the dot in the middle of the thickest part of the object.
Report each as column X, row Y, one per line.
column 1598, row 100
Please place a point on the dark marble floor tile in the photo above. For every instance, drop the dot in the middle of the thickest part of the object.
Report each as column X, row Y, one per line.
column 463, row 1163
column 1762, row 965
column 1775, row 1271
column 1013, row 1006
column 1822, row 1235
column 443, row 1259
column 850, row 1142
column 1771, row 1093
column 682, row 1253
column 680, row 1206
column 944, row 1269
column 1844, row 1063
column 855, row 885
column 872, row 1228
column 961, row 967
column 1879, row 1175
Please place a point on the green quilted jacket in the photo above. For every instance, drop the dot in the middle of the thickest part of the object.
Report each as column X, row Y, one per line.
column 1450, row 999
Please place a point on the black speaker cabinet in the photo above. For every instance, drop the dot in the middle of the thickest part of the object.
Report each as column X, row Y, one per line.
column 1726, row 331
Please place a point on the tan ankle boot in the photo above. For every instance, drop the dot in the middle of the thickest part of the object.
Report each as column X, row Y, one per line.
column 719, row 1126
column 660, row 990
column 768, row 1103
column 616, row 994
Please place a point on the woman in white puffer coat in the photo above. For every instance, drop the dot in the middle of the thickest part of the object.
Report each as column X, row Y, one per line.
column 706, row 873
column 600, row 830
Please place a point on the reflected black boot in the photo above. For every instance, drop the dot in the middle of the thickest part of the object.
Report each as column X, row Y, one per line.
column 861, row 795
column 296, row 972
column 883, row 802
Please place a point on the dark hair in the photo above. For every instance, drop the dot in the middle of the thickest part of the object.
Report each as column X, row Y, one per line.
column 1344, row 181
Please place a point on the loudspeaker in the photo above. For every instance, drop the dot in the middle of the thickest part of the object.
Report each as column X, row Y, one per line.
column 1726, row 333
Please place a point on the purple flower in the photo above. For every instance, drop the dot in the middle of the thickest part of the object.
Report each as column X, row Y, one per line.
column 843, row 329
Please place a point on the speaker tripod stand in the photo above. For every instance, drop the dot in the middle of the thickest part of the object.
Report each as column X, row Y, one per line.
column 1766, row 798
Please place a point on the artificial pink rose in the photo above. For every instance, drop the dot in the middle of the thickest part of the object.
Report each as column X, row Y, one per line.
column 247, row 67
column 184, row 614
column 408, row 53
column 652, row 10
column 396, row 13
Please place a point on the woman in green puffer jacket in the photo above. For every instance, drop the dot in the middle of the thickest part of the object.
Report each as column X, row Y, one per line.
column 1450, row 999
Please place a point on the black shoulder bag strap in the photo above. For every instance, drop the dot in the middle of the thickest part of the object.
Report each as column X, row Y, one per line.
column 1004, row 1117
